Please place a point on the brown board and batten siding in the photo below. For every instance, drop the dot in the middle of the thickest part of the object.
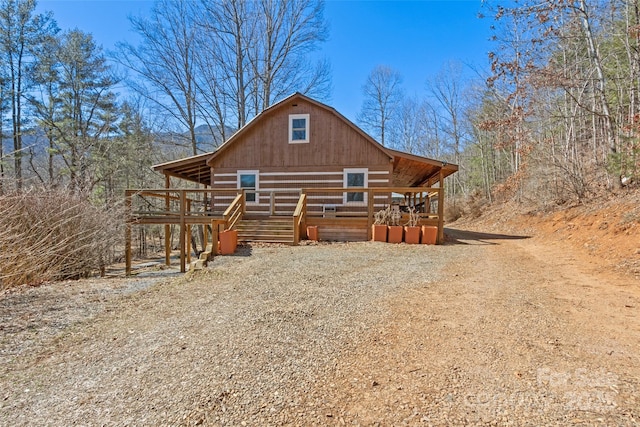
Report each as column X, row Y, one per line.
column 283, row 168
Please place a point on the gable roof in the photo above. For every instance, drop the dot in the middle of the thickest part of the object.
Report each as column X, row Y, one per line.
column 256, row 120
column 409, row 170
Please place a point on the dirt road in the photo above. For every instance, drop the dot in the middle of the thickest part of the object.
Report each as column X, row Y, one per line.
column 520, row 332
column 485, row 330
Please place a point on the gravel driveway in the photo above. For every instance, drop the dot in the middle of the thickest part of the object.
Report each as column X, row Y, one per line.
column 472, row 332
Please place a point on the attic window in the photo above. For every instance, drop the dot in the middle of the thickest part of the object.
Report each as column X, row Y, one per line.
column 298, row 128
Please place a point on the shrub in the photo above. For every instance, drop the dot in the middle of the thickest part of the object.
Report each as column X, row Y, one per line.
column 52, row 235
column 453, row 212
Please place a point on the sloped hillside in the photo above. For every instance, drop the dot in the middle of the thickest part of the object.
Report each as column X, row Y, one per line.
column 605, row 231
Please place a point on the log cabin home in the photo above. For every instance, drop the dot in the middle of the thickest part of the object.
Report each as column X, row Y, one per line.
column 298, row 163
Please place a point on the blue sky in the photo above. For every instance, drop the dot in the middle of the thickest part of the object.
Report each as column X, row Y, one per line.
column 414, row 37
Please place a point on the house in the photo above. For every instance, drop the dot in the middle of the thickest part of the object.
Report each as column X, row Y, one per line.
column 301, row 146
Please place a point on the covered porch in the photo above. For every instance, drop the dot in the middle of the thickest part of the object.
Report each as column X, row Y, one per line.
column 417, row 183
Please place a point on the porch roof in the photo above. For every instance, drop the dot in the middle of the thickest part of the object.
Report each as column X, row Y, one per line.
column 409, row 170
column 192, row 168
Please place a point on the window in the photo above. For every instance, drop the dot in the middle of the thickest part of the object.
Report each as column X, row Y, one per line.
column 355, row 178
column 248, row 180
column 298, row 128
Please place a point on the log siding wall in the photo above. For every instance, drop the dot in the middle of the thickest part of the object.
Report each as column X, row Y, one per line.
column 287, row 186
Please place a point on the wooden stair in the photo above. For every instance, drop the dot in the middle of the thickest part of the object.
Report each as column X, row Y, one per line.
column 274, row 229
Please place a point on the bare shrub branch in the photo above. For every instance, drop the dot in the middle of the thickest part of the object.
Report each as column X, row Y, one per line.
column 52, row 235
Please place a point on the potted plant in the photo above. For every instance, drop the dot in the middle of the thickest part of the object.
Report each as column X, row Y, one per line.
column 312, row 232
column 379, row 227
column 395, row 229
column 228, row 241
column 411, row 229
column 429, row 234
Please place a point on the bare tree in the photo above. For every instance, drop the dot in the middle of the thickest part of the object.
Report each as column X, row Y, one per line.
column 411, row 127
column 228, row 32
column 255, row 53
column 288, row 31
column 3, row 102
column 446, row 90
column 382, row 97
column 211, row 61
column 164, row 63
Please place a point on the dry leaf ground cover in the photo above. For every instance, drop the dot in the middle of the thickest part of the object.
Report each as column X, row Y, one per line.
column 488, row 329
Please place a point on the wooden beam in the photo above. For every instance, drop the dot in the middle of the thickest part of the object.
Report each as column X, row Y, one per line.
column 183, row 204
column 167, row 227
column 441, row 209
column 188, row 241
column 211, row 184
column 188, row 237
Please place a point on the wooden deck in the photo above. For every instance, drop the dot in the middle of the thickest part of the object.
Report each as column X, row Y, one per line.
column 193, row 210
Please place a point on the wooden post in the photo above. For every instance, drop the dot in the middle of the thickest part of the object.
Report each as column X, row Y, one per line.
column 214, row 236
column 296, row 231
column 304, row 219
column 212, row 194
column 183, row 203
column 188, row 236
column 273, row 203
column 441, row 208
column 205, row 232
column 205, row 207
column 167, row 227
column 188, row 242
column 370, row 213
column 127, row 233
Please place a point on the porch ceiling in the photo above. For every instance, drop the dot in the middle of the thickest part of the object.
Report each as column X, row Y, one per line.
column 410, row 170
column 192, row 168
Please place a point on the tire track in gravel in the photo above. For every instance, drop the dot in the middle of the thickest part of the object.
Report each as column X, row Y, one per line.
column 487, row 331
column 243, row 342
column 520, row 332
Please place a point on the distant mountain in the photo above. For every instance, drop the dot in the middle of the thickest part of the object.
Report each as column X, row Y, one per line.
column 204, row 136
column 35, row 139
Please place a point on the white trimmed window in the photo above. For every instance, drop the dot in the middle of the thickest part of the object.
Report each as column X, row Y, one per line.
column 249, row 182
column 355, row 178
column 298, row 128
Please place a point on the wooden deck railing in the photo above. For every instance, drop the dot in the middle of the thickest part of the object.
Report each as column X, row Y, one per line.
column 299, row 217
column 162, row 206
column 428, row 202
column 235, row 211
column 185, row 208
column 195, row 207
